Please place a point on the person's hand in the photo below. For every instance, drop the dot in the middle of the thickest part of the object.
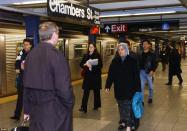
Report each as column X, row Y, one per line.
column 107, row 90
column 17, row 71
column 88, row 65
column 151, row 73
column 26, row 117
column 23, row 65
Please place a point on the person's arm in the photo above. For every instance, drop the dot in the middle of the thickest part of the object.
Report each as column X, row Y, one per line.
column 62, row 81
column 18, row 62
column 98, row 66
column 26, row 102
column 83, row 61
column 154, row 62
column 110, row 77
column 136, row 74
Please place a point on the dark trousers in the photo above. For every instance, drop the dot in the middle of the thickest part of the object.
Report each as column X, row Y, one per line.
column 125, row 111
column 19, row 103
column 163, row 66
column 171, row 78
column 97, row 99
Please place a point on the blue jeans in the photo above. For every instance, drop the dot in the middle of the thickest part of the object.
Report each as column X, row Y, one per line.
column 146, row 77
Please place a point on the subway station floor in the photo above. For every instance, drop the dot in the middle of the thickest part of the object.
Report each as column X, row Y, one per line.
column 168, row 112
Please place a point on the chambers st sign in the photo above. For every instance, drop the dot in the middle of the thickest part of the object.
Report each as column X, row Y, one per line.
column 60, row 8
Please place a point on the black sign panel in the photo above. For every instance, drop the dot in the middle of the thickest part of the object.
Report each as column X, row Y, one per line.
column 154, row 26
column 141, row 26
column 59, row 8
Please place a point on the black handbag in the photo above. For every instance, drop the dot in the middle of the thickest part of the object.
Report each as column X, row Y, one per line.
column 20, row 128
column 23, row 127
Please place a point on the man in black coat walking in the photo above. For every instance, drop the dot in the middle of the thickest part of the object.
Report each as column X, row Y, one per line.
column 174, row 64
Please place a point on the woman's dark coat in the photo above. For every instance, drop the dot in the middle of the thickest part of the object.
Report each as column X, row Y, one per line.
column 48, row 96
column 92, row 79
column 125, row 76
column 174, row 62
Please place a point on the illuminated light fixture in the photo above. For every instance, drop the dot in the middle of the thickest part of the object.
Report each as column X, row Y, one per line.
column 138, row 14
column 30, row 2
column 43, row 1
column 116, row 15
column 155, row 13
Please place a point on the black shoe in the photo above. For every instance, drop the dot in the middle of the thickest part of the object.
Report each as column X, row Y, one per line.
column 121, row 126
column 133, row 128
column 14, row 118
column 168, row 84
column 150, row 101
column 180, row 83
column 82, row 110
column 96, row 108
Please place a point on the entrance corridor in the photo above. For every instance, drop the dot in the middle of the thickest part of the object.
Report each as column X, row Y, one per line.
column 168, row 112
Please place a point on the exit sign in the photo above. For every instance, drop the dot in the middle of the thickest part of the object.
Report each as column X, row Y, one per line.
column 115, row 28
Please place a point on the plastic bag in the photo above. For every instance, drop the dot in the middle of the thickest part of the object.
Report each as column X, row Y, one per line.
column 137, row 105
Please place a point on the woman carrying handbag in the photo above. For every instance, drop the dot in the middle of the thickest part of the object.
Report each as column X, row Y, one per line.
column 91, row 64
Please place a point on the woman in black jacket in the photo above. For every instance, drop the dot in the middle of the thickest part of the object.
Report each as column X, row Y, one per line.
column 124, row 73
column 92, row 64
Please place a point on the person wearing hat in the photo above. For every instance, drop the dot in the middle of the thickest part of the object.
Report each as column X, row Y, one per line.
column 174, row 64
column 123, row 72
column 147, row 62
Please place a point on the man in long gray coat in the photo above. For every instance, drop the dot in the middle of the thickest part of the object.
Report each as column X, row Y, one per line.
column 48, row 96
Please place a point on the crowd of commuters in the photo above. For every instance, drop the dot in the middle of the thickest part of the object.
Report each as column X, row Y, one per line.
column 44, row 80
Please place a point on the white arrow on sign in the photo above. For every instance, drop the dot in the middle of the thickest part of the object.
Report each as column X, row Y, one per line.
column 107, row 28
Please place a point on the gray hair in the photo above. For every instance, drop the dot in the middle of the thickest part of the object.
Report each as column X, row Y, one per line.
column 46, row 30
column 124, row 46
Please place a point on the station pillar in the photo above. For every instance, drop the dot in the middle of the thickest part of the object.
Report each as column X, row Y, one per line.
column 32, row 28
column 92, row 39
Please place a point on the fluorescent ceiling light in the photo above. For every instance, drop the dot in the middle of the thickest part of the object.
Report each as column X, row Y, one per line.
column 43, row 1
column 137, row 14
column 155, row 13
column 30, row 2
column 117, row 15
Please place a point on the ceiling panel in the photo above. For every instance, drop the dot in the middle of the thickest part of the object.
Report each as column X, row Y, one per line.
column 104, row 1
column 136, row 4
column 5, row 2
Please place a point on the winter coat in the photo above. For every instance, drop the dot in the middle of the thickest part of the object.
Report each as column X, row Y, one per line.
column 125, row 76
column 48, row 96
column 174, row 62
column 92, row 78
column 147, row 61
